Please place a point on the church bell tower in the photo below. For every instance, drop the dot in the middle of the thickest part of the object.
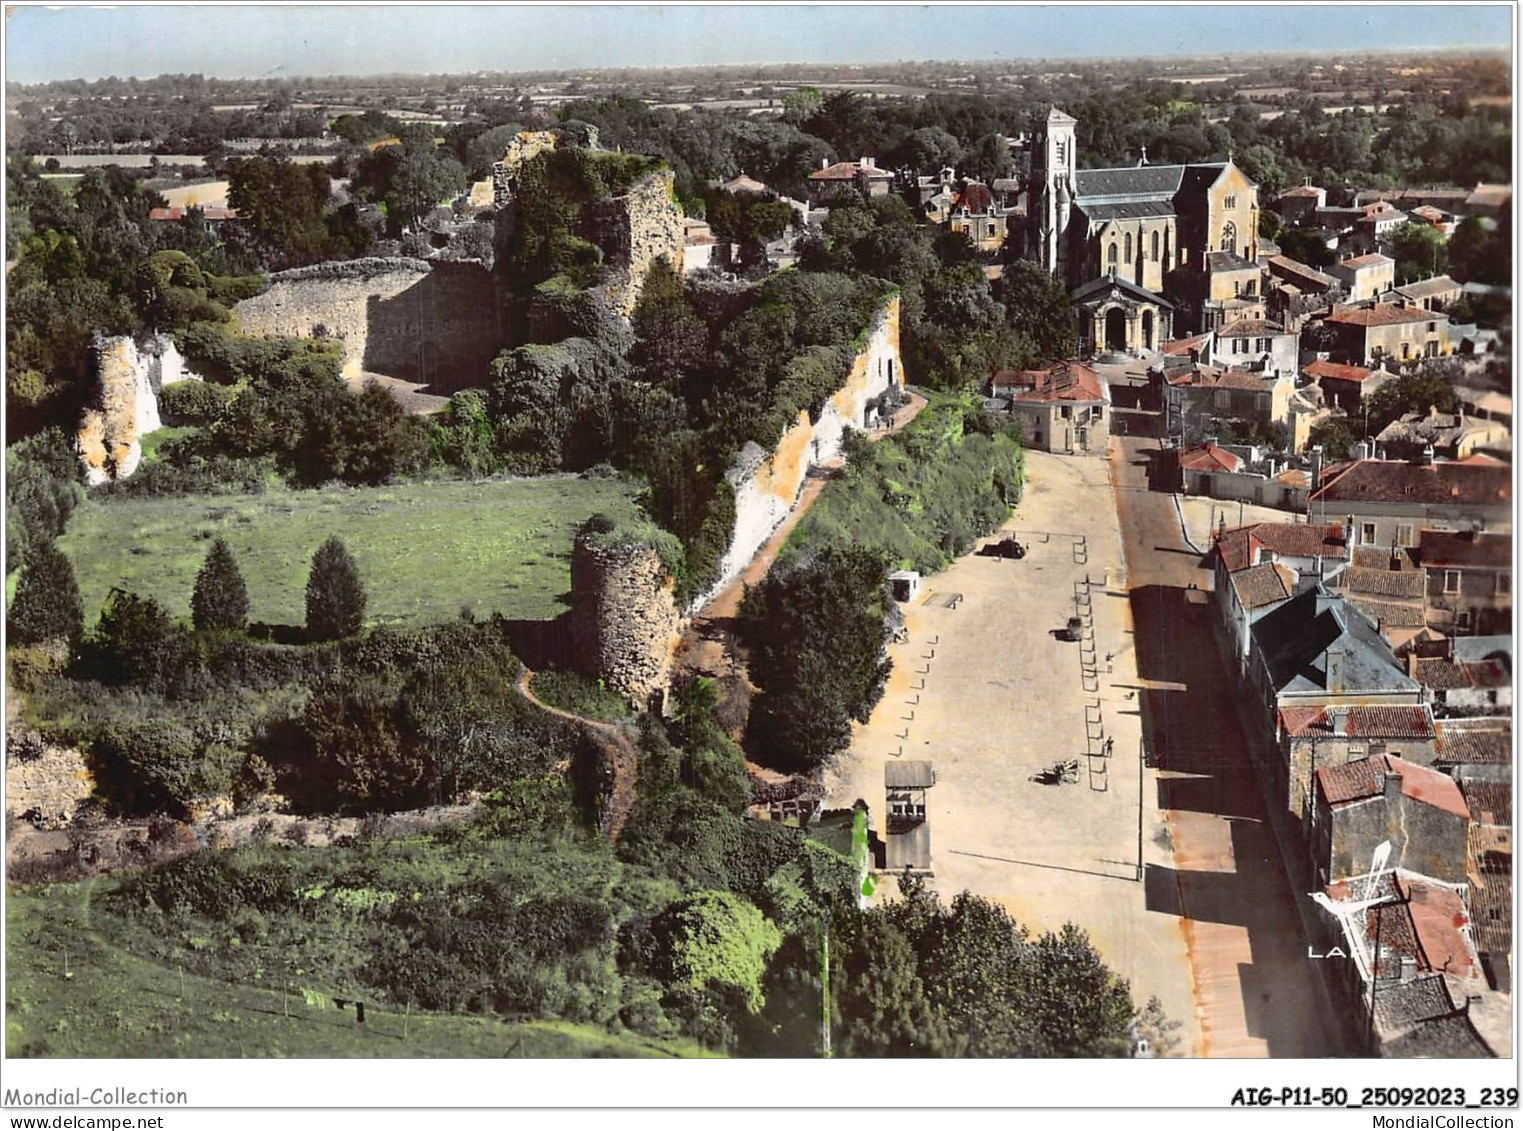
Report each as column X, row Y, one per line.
column 1055, row 162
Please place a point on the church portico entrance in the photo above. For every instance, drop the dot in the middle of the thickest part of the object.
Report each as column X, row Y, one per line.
column 1115, row 329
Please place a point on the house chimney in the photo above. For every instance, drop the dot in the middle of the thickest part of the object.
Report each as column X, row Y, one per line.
column 824, row 162
column 1334, row 661
column 1427, row 456
column 1390, row 786
column 1408, row 968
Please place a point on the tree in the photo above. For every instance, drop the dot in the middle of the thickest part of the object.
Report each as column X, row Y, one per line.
column 671, row 341
column 815, row 629
column 1305, row 245
column 335, row 594
column 1039, row 309
column 47, row 604
column 716, row 940
column 134, row 640
column 220, row 600
column 410, row 178
column 1419, row 252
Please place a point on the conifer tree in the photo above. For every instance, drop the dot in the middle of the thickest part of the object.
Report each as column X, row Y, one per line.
column 335, row 594
column 220, row 601
column 47, row 603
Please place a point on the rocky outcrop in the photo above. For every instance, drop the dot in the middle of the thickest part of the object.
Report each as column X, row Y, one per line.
column 634, row 230
column 126, row 405
column 435, row 323
column 624, row 620
column 44, row 784
column 767, row 484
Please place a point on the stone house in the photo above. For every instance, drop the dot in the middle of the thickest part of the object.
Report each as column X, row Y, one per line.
column 1063, row 407
column 1370, row 335
column 1300, row 204
column 1365, row 276
column 1413, row 985
column 1489, row 873
column 864, row 176
column 1444, row 435
column 1386, row 585
column 1477, row 748
column 1258, row 567
column 1469, row 587
column 973, row 212
column 1316, row 652
column 1458, row 687
column 1382, row 798
column 1198, row 401
column 1429, row 294
column 1260, row 345
column 1389, row 501
column 1346, row 386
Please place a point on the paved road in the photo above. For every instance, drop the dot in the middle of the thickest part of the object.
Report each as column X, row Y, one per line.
column 1256, row 993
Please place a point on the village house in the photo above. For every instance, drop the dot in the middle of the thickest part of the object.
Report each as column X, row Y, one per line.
column 1443, row 435
column 1258, row 567
column 864, row 176
column 1346, row 386
column 1358, row 805
column 1469, row 587
column 1389, row 501
column 1457, row 687
column 974, row 213
column 1316, row 651
column 1491, row 201
column 1437, row 218
column 1412, row 984
column 1365, row 276
column 1258, row 344
column 1199, row 401
column 1368, row 335
column 1298, row 205
column 1063, row 407
column 1428, row 294
column 1489, row 876
column 701, row 248
column 1386, row 584
column 1477, row 748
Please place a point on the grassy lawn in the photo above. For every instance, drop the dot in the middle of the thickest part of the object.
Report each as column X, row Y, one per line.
column 424, row 550
column 71, row 993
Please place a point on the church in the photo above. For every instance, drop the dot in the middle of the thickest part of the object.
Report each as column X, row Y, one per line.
column 1146, row 251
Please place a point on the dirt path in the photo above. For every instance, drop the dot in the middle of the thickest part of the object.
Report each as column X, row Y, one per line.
column 621, row 751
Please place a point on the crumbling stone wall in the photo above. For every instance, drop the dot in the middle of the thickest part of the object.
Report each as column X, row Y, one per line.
column 523, row 148
column 634, row 230
column 44, row 784
column 126, row 405
column 768, row 484
column 436, row 323
column 624, row 620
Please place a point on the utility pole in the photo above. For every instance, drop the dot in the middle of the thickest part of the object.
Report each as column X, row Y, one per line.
column 825, row 993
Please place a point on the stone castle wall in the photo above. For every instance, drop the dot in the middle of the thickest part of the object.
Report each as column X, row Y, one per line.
column 634, row 230
column 436, row 323
column 624, row 620
column 126, row 406
column 767, row 485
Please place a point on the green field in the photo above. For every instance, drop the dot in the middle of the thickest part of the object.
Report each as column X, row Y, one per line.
column 71, row 993
column 424, row 550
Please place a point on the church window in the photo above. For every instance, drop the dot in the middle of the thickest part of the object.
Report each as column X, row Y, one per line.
column 1229, row 202
column 1128, row 258
column 1155, row 247
column 1110, row 256
column 1229, row 237
column 1062, row 152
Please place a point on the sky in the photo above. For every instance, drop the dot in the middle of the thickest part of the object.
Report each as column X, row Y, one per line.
column 245, row 41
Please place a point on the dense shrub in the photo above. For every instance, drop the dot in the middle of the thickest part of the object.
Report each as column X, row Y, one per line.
column 47, row 604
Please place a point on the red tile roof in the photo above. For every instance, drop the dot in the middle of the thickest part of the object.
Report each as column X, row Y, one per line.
column 1263, row 585
column 1061, row 381
column 178, row 213
column 1211, row 377
column 1395, row 481
column 1464, row 549
column 1249, row 328
column 1330, row 370
column 1301, row 190
column 1405, row 721
column 1381, row 314
column 1475, row 742
column 1439, row 916
column 975, row 197
column 1209, row 458
column 1180, row 347
column 848, row 170
column 1239, row 545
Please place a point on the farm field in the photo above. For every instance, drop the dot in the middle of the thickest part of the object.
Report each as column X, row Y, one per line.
column 424, row 550
column 71, row 992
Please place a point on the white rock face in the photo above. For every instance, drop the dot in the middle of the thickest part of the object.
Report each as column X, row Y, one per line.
column 767, row 485
column 127, row 403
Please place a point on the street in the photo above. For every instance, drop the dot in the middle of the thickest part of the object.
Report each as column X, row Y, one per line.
column 1257, row 995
